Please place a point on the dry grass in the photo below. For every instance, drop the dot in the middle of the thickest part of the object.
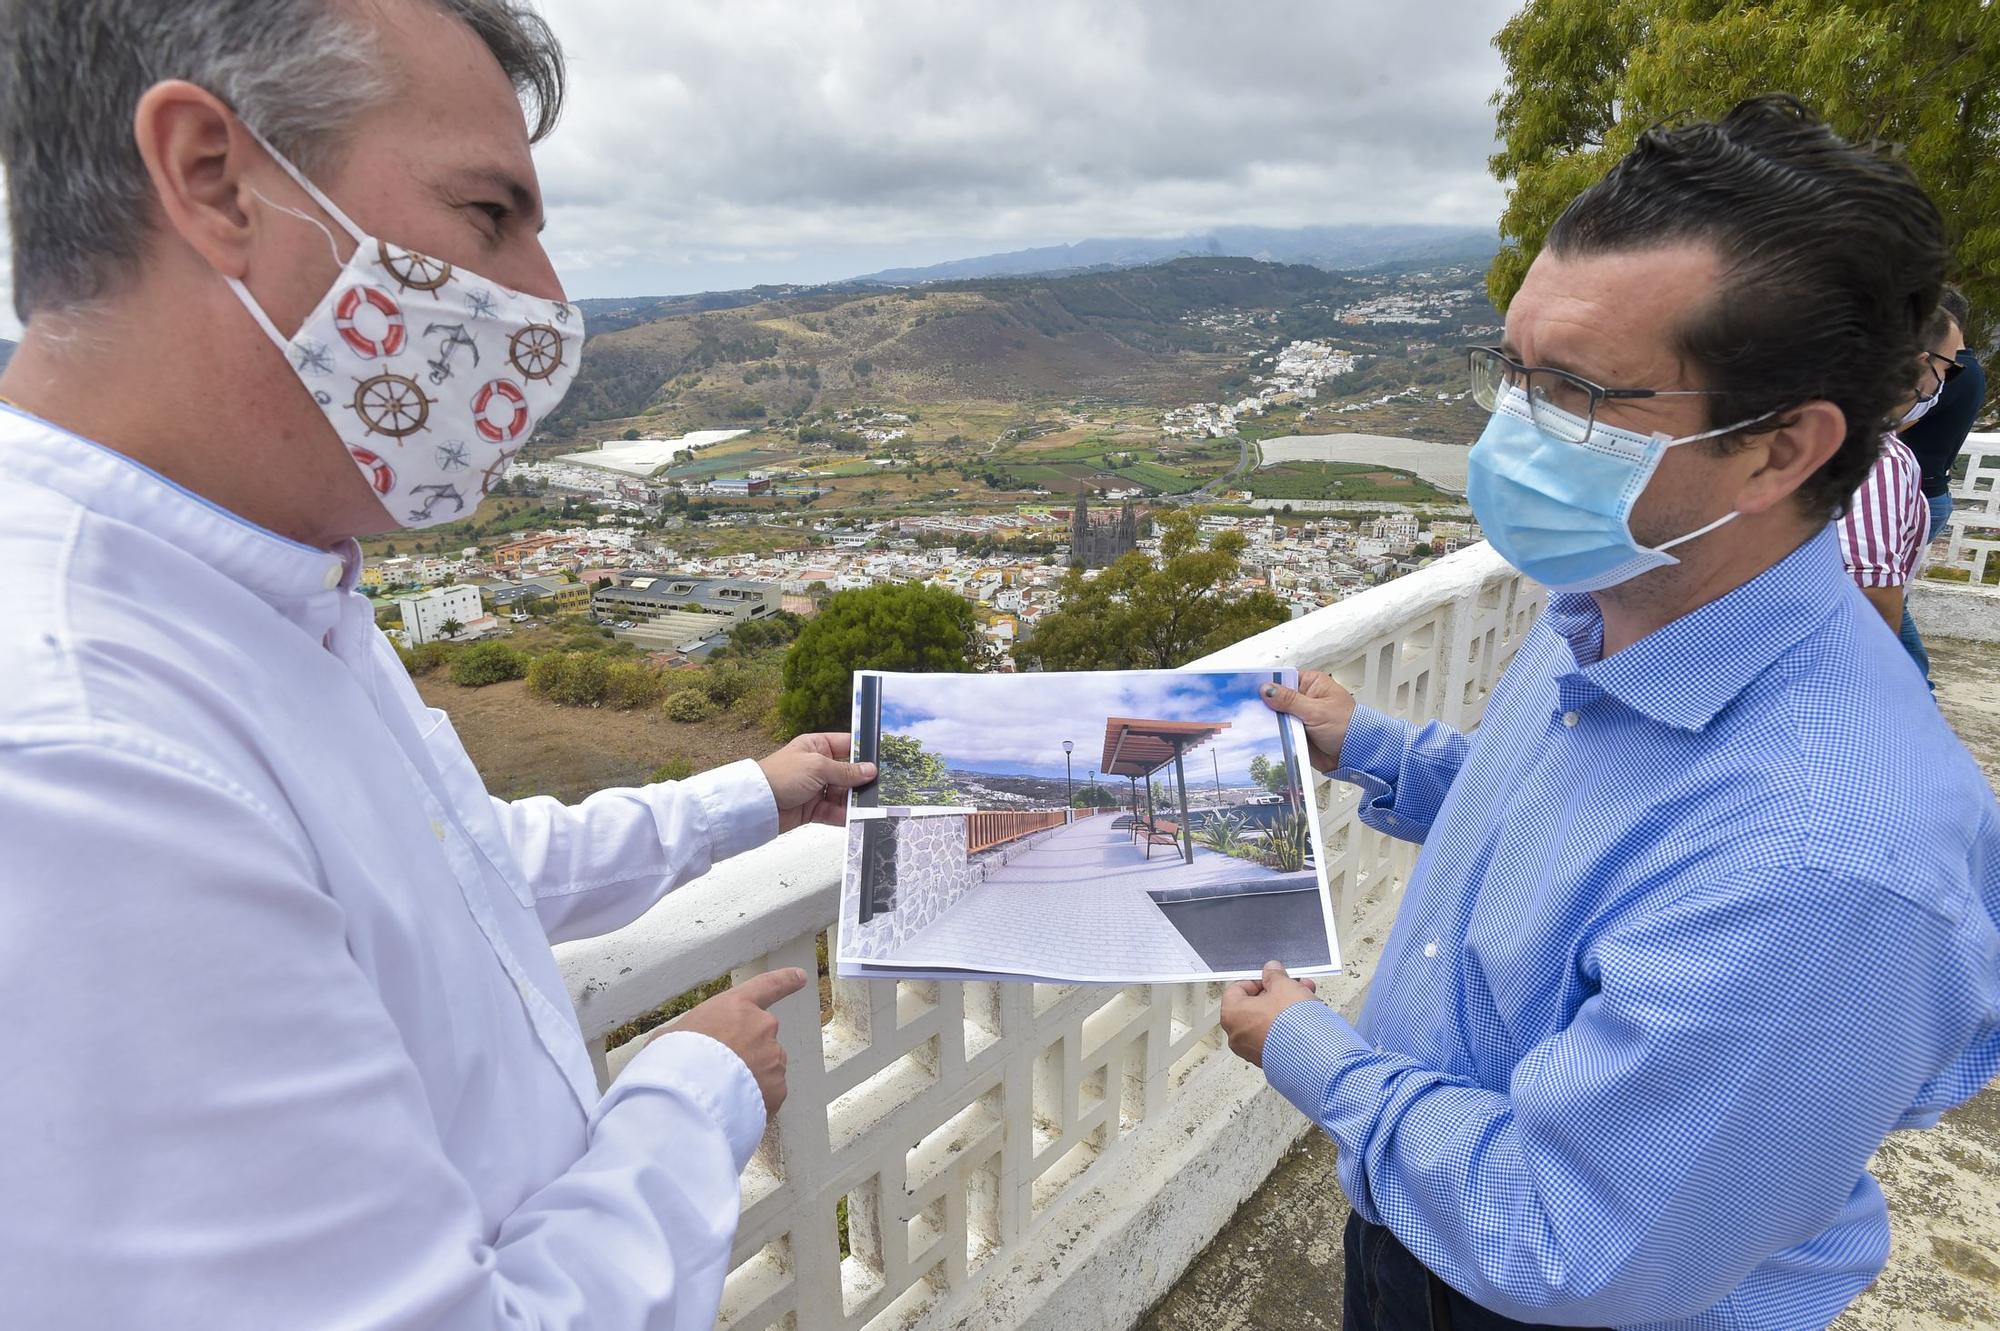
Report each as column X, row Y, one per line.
column 525, row 746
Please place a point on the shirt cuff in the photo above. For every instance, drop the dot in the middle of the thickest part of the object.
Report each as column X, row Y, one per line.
column 704, row 1071
column 1302, row 1051
column 1374, row 744
column 738, row 807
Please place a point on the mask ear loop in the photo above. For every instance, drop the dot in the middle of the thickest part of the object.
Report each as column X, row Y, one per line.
column 332, row 246
column 313, row 192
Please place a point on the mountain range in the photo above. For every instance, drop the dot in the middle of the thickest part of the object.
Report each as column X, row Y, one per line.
column 1335, row 248
column 6, row 352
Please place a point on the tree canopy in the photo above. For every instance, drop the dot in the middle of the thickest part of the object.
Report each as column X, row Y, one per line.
column 1586, row 77
column 1271, row 776
column 912, row 774
column 1138, row 615
column 906, row 627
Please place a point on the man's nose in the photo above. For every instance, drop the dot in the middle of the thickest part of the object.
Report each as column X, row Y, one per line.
column 538, row 274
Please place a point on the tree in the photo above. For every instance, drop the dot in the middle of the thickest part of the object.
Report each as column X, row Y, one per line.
column 912, row 774
column 906, row 627
column 1584, row 78
column 1136, row 615
column 451, row 628
column 1271, row 776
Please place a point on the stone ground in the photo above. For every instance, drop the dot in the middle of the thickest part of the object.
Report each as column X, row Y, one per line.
column 1278, row 1263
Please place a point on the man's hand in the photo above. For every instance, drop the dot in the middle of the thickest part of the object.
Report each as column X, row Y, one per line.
column 810, row 778
column 1250, row 1006
column 1324, row 706
column 739, row 1018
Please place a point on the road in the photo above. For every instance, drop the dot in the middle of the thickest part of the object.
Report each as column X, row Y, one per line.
column 1245, row 459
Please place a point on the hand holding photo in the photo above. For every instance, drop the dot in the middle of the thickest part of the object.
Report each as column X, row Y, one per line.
column 1124, row 827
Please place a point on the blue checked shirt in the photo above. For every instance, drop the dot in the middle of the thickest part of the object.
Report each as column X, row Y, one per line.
column 1693, row 929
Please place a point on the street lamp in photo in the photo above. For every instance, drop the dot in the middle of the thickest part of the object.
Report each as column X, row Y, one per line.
column 1069, row 798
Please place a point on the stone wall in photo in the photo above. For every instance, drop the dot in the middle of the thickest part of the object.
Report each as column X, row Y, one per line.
column 932, row 875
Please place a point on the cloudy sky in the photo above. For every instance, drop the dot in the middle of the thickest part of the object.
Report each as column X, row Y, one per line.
column 1016, row 723
column 712, row 144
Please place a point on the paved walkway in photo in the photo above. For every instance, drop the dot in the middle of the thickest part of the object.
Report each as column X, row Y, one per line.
column 1074, row 899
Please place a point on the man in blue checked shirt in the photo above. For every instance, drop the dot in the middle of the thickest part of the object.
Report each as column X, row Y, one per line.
column 1711, row 902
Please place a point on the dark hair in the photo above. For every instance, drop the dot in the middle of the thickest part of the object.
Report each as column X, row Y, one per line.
column 1954, row 303
column 1833, row 258
column 299, row 71
column 1935, row 327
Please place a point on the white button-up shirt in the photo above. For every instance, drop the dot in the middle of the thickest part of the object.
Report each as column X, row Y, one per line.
column 282, row 1043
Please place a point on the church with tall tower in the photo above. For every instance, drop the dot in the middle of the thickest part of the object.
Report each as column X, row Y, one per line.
column 1093, row 543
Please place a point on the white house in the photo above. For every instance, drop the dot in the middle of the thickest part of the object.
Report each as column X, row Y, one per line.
column 424, row 614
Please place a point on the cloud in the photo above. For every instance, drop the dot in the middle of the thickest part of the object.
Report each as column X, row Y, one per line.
column 720, row 143
column 734, row 140
column 1017, row 723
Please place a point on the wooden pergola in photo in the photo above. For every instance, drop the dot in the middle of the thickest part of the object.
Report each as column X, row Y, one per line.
column 1135, row 748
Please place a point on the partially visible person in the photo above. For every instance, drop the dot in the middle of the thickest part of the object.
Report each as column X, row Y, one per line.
column 1937, row 436
column 286, row 1045
column 1887, row 523
column 1702, row 912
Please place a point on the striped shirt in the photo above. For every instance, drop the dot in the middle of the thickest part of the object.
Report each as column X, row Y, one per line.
column 1888, row 521
column 1695, row 925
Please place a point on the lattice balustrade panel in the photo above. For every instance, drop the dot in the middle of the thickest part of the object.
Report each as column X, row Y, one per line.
column 932, row 1124
column 1972, row 534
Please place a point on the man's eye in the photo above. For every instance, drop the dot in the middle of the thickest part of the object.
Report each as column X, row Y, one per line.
column 497, row 213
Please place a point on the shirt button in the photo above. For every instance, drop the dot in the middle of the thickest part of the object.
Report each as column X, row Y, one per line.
column 1431, row 948
column 1570, row 719
column 334, row 573
column 437, row 829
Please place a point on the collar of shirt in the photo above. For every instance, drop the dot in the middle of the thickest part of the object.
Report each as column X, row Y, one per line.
column 1684, row 673
column 302, row 583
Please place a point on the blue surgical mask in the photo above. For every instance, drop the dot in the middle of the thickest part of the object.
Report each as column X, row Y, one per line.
column 1561, row 512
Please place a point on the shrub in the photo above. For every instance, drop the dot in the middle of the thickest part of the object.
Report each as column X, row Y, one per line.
column 574, row 679
column 426, row 657
column 673, row 769
column 487, row 663
column 725, row 683
column 629, row 684
column 689, row 705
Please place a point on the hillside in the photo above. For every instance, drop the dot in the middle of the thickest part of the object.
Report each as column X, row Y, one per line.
column 745, row 358
column 6, row 352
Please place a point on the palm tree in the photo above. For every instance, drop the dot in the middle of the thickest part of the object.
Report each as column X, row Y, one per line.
column 451, row 628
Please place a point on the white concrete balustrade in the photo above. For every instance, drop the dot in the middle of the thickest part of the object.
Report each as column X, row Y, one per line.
column 1967, row 552
column 1030, row 1155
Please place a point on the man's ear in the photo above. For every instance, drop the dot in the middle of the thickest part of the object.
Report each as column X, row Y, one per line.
column 195, row 153
column 1811, row 435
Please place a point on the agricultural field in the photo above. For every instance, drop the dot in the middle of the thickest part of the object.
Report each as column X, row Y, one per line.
column 1360, row 481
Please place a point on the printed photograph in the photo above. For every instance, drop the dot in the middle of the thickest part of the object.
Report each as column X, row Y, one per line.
column 1110, row 827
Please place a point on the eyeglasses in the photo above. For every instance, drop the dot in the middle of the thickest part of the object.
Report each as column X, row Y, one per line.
column 1941, row 369
column 1561, row 403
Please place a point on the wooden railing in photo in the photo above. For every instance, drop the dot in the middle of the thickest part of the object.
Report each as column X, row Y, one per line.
column 1030, row 1155
column 984, row 831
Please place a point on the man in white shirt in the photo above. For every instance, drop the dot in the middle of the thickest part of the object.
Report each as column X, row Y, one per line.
column 282, row 1042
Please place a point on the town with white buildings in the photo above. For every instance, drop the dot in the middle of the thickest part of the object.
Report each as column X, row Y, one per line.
column 1293, row 374
column 1307, row 560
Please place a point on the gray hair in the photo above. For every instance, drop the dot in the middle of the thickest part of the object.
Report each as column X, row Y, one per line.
column 300, row 71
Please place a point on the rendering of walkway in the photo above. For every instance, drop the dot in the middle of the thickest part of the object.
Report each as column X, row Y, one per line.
column 1073, row 898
